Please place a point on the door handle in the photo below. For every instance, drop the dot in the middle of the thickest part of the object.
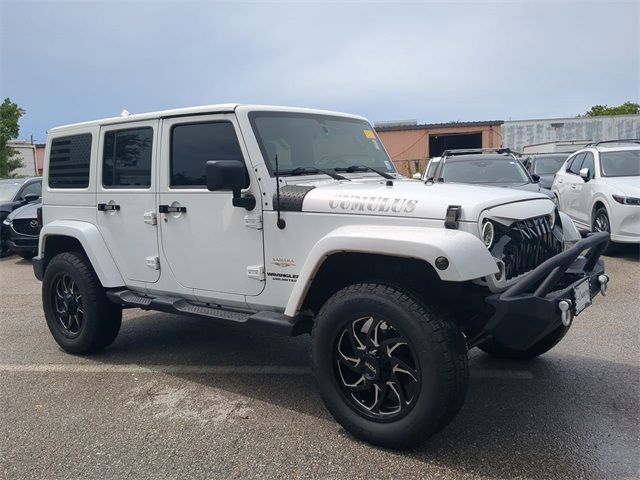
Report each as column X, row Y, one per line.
column 103, row 207
column 573, row 187
column 169, row 209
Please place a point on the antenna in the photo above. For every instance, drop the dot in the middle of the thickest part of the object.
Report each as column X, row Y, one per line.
column 280, row 223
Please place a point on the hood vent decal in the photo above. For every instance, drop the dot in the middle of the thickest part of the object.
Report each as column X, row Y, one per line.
column 292, row 197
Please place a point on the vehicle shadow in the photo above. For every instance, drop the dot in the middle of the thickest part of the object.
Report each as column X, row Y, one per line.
column 552, row 417
column 627, row 251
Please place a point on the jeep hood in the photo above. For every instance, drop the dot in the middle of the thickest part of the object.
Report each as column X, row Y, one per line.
column 410, row 198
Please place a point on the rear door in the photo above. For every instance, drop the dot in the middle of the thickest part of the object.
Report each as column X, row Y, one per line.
column 126, row 198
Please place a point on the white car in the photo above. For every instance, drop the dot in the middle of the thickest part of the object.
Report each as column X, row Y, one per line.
column 599, row 188
column 295, row 221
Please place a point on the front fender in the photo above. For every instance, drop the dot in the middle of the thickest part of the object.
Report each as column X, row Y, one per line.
column 93, row 244
column 468, row 257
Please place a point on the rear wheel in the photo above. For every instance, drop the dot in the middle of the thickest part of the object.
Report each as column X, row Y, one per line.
column 391, row 371
column 497, row 350
column 80, row 317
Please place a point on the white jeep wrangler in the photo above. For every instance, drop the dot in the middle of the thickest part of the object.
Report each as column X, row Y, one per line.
column 295, row 221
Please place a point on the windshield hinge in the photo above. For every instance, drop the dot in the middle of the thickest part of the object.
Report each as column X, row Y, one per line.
column 256, row 272
column 253, row 221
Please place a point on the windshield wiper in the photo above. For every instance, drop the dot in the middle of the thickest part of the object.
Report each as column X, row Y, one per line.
column 364, row 168
column 311, row 171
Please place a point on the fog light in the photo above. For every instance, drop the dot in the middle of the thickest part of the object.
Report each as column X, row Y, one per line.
column 604, row 284
column 565, row 308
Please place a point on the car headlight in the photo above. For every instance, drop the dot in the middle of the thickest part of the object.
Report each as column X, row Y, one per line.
column 7, row 221
column 626, row 200
column 488, row 233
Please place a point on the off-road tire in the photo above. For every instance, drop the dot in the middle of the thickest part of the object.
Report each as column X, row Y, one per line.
column 101, row 318
column 438, row 346
column 542, row 346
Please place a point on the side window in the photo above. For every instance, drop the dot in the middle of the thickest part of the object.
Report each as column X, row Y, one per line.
column 69, row 161
column 194, row 144
column 32, row 188
column 126, row 158
column 576, row 164
column 588, row 163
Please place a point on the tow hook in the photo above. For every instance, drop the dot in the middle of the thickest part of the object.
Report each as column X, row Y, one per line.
column 604, row 284
column 565, row 308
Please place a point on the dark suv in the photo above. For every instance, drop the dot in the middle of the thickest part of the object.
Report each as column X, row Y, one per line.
column 14, row 193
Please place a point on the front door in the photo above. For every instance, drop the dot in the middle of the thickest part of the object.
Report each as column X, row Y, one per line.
column 206, row 241
column 126, row 198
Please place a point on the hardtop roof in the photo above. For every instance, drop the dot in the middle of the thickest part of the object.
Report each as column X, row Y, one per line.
column 197, row 110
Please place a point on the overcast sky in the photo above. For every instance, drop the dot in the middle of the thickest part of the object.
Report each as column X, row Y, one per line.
column 71, row 61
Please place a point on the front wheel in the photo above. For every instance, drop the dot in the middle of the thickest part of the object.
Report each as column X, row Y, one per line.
column 79, row 315
column 601, row 223
column 391, row 371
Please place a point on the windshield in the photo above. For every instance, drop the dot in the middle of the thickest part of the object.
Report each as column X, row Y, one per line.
column 484, row 171
column 317, row 141
column 625, row 163
column 548, row 165
column 431, row 169
column 8, row 190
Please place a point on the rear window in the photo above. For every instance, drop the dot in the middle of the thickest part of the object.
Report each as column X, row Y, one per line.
column 69, row 161
column 127, row 158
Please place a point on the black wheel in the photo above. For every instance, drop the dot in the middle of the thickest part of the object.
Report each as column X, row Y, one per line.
column 27, row 255
column 391, row 371
column 543, row 346
column 601, row 223
column 80, row 317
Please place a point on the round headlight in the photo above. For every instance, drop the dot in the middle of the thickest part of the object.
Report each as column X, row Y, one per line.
column 487, row 233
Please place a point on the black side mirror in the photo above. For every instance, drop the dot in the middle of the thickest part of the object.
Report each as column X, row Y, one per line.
column 30, row 197
column 230, row 175
column 585, row 174
column 535, row 177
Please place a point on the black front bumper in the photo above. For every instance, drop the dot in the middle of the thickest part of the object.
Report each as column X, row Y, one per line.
column 529, row 310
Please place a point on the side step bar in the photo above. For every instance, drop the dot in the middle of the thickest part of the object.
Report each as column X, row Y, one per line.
column 266, row 320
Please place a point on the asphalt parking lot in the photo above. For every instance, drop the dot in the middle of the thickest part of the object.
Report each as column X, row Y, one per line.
column 176, row 397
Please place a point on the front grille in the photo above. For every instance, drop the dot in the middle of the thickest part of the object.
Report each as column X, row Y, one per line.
column 526, row 244
column 25, row 226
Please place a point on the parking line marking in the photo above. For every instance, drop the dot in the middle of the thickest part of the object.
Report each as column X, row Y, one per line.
column 211, row 369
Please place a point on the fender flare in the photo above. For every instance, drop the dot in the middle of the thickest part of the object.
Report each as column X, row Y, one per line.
column 468, row 257
column 93, row 244
column 569, row 230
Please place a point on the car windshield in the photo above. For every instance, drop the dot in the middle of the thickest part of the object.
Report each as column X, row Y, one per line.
column 548, row 165
column 624, row 163
column 8, row 190
column 317, row 142
column 484, row 171
column 431, row 169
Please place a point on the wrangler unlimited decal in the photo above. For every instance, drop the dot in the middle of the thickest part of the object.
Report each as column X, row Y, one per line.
column 373, row 204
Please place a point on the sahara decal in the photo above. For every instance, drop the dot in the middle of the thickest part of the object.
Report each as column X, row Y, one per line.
column 283, row 262
column 373, row 204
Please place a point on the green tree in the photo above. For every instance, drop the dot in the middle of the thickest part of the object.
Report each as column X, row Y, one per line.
column 10, row 114
column 627, row 108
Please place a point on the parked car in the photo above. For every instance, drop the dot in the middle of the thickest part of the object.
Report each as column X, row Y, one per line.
column 545, row 166
column 14, row 193
column 295, row 221
column 429, row 171
column 599, row 188
column 487, row 166
column 22, row 229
